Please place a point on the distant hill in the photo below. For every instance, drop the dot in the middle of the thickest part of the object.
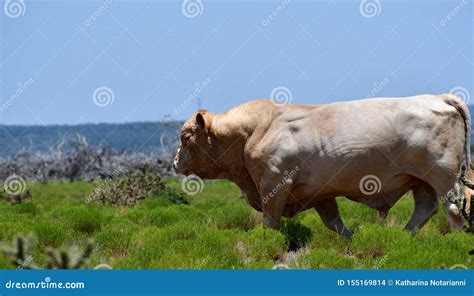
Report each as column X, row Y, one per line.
column 133, row 137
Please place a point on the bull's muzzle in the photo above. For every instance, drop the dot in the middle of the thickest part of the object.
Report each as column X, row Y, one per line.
column 176, row 161
column 175, row 164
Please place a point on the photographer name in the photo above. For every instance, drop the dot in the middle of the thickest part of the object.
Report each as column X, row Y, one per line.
column 441, row 283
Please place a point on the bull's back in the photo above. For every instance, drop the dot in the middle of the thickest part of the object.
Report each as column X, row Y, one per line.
column 343, row 142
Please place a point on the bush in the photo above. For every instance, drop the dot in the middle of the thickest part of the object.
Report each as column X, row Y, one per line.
column 10, row 229
column 75, row 159
column 116, row 236
column 262, row 243
column 163, row 217
column 433, row 251
column 20, row 253
column 28, row 208
column 84, row 219
column 133, row 187
column 184, row 245
column 234, row 216
column 49, row 233
column 375, row 240
column 327, row 259
column 14, row 199
column 175, row 197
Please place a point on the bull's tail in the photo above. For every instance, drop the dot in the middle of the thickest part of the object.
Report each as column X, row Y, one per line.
column 467, row 208
column 461, row 107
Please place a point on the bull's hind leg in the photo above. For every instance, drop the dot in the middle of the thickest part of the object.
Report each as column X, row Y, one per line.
column 329, row 213
column 426, row 205
column 443, row 180
column 455, row 219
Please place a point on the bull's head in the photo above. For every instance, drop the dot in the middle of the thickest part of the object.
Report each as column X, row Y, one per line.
column 196, row 153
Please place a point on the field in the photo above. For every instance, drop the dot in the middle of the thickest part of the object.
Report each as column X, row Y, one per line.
column 218, row 230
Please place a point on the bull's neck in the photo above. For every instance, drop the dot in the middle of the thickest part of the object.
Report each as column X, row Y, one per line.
column 229, row 136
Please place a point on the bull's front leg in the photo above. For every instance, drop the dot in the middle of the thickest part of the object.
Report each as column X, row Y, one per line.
column 274, row 194
column 251, row 193
column 329, row 213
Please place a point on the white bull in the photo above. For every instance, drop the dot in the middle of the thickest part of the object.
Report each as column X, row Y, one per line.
column 294, row 157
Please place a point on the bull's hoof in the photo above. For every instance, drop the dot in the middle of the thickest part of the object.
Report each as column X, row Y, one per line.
column 346, row 233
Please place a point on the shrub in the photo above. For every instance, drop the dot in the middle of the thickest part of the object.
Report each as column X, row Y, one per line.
column 75, row 159
column 126, row 190
column 262, row 243
column 149, row 245
column 143, row 235
column 375, row 240
column 234, row 216
column 85, row 219
column 133, row 187
column 28, row 208
column 16, row 198
column 49, row 234
column 175, row 197
column 433, row 251
column 327, row 259
column 216, row 247
column 163, row 217
column 116, row 236
column 20, row 253
column 10, row 229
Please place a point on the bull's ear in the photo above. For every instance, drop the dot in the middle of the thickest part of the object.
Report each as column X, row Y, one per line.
column 201, row 120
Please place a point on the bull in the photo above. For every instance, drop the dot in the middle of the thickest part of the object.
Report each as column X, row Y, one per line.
column 290, row 158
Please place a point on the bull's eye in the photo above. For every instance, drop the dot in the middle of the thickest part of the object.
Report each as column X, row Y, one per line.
column 186, row 139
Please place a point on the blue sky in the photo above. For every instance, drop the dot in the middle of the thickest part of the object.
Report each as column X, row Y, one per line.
column 157, row 57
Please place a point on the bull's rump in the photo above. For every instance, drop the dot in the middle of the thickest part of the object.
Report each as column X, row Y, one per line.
column 396, row 140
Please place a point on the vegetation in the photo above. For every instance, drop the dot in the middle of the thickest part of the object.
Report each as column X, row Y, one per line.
column 133, row 187
column 218, row 230
column 14, row 198
column 77, row 160
column 20, row 255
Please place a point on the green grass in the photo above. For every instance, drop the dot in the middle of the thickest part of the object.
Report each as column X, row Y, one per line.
column 219, row 230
